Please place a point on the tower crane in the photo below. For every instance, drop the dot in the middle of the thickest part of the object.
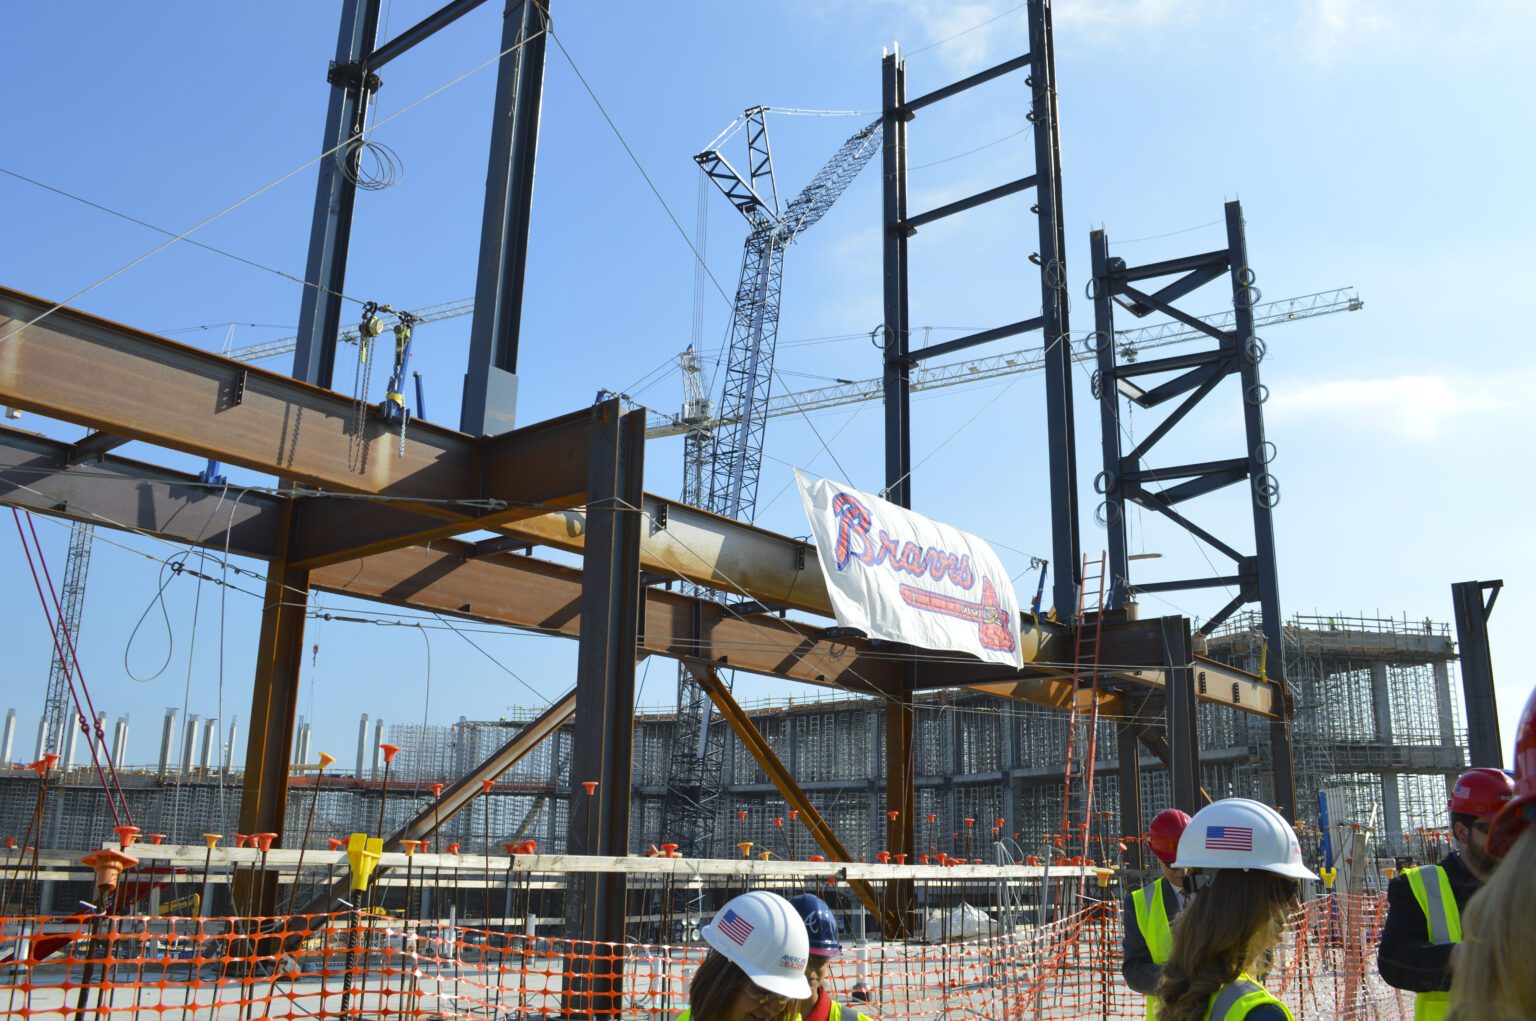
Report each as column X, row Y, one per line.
column 977, row 370
column 723, row 452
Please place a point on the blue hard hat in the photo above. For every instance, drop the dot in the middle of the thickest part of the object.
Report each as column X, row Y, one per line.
column 820, row 925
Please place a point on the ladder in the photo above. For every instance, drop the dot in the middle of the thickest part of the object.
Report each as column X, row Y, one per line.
column 1083, row 721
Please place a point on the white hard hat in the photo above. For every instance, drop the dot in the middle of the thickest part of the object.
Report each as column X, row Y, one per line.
column 762, row 934
column 1237, row 833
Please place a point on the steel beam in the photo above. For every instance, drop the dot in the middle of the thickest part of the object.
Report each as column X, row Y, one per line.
column 783, row 781
column 1484, row 744
column 1110, row 482
column 965, row 84
column 603, row 745
column 1182, row 720
column 1263, row 495
column 325, row 273
column 95, row 445
column 1061, row 440
column 420, row 32
column 1131, row 822
column 490, row 385
column 909, row 226
column 274, row 709
column 984, row 337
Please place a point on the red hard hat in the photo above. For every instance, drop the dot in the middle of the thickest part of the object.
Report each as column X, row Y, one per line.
column 1514, row 817
column 1163, row 835
column 1481, row 792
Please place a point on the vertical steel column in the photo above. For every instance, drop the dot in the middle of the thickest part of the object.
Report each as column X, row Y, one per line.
column 1131, row 821
column 314, row 360
column 898, row 370
column 490, row 385
column 900, row 762
column 603, row 744
column 1108, row 482
column 1061, row 442
column 1183, row 730
column 1484, row 745
column 274, row 708
column 1263, row 496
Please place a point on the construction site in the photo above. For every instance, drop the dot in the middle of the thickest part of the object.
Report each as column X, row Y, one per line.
column 973, row 807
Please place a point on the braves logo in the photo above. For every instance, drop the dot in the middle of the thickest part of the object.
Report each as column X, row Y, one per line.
column 854, row 522
column 988, row 614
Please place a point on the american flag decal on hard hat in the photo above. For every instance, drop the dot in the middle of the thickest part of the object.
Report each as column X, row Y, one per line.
column 1461, row 791
column 1229, row 838
column 735, row 927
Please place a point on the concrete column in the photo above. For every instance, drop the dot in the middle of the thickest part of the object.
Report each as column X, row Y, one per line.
column 71, row 733
column 378, row 756
column 189, row 743
column 119, row 740
column 1443, row 703
column 210, row 742
column 167, row 741
column 362, row 746
column 8, row 736
column 1381, row 707
column 229, row 749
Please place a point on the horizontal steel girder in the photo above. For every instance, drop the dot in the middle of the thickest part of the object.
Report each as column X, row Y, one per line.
column 533, row 594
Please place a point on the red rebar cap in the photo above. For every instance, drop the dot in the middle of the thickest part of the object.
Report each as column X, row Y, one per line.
column 486, row 785
column 669, row 849
column 901, row 858
column 816, row 857
column 932, row 818
column 125, row 835
column 893, row 815
column 241, row 840
column 157, row 839
column 998, row 823
column 741, row 813
column 10, row 842
column 591, row 786
column 922, row 859
column 883, row 857
column 453, row 848
column 969, row 823
column 779, row 821
column 335, row 843
column 263, row 841
column 794, row 813
column 390, row 751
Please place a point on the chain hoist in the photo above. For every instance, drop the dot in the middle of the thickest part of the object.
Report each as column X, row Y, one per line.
column 393, row 407
column 368, row 328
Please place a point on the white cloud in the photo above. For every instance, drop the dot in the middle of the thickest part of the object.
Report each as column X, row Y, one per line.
column 1410, row 407
column 1339, row 27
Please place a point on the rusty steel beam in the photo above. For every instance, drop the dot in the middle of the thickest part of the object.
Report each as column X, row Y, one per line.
column 94, row 445
column 274, row 708
column 773, row 767
column 84, row 369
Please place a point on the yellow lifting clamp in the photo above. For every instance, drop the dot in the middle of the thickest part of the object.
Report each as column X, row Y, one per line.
column 363, row 854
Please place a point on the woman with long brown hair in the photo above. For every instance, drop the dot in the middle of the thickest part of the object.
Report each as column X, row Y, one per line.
column 1491, row 975
column 755, row 969
column 1247, row 887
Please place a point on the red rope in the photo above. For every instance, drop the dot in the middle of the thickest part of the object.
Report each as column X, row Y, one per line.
column 85, row 689
column 59, row 649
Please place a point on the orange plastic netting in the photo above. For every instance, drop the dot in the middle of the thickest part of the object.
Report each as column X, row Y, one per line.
column 351, row 964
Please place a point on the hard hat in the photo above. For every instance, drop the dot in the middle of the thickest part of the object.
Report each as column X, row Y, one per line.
column 1163, row 835
column 1236, row 833
column 763, row 935
column 1481, row 792
column 1514, row 817
column 820, row 924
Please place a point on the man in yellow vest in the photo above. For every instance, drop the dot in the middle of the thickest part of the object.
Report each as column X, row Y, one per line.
column 1424, row 905
column 1149, row 911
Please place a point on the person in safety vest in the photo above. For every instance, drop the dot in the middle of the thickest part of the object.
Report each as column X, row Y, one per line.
column 1424, row 905
column 1149, row 911
column 755, row 969
column 1494, row 979
column 1249, row 864
column 821, row 927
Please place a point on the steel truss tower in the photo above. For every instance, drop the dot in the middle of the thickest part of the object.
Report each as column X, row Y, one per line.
column 58, row 713
column 1127, row 477
column 723, row 453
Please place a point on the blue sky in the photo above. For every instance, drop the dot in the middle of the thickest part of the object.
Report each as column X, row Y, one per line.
column 1381, row 146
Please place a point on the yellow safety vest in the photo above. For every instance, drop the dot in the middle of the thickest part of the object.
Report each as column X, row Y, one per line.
column 1431, row 887
column 1234, row 1000
column 1152, row 920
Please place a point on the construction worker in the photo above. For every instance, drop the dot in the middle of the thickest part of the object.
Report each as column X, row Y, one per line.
column 1149, row 911
column 1494, row 980
column 1424, row 904
column 755, row 969
column 1249, row 864
column 821, row 928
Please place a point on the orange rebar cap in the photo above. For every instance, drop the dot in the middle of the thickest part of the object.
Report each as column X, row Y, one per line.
column 590, row 785
column 411, row 846
column 211, row 840
column 437, row 790
column 326, row 760
column 263, row 841
column 390, row 751
column 125, row 835
column 108, row 864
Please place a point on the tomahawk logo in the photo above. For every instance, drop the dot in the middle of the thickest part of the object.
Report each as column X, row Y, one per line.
column 988, row 614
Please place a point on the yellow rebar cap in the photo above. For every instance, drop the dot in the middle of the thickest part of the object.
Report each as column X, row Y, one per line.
column 363, row 854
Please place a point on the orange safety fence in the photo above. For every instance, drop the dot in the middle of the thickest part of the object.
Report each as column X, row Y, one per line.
column 353, row 964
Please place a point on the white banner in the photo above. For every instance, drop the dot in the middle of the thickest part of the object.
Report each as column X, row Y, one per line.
column 905, row 578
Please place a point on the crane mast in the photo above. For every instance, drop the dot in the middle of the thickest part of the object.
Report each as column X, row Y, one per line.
column 722, row 452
